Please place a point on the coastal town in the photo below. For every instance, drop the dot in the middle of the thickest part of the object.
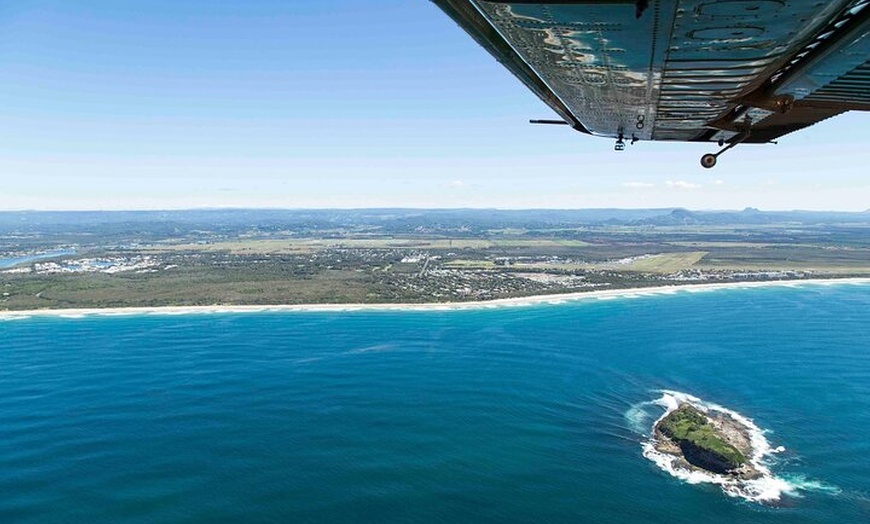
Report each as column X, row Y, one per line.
column 410, row 259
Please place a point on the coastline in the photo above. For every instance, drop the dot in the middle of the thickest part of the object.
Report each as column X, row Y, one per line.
column 431, row 306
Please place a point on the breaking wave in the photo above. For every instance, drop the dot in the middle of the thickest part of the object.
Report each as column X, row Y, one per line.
column 769, row 488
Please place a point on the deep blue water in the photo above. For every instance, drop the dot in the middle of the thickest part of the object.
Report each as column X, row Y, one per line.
column 511, row 415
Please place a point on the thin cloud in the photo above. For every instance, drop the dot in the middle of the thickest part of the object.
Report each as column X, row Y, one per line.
column 458, row 184
column 682, row 184
column 637, row 184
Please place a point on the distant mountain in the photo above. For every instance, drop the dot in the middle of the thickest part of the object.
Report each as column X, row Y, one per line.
column 752, row 216
column 400, row 220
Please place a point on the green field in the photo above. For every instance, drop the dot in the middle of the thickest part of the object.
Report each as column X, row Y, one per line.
column 662, row 263
column 366, row 263
column 289, row 246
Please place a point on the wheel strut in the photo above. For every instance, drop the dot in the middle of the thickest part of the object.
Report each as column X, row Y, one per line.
column 709, row 160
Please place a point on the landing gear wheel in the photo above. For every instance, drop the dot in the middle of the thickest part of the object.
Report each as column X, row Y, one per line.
column 708, row 160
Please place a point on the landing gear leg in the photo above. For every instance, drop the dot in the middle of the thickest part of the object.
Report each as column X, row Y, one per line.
column 709, row 160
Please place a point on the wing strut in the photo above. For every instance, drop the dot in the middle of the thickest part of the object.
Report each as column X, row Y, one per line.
column 550, row 122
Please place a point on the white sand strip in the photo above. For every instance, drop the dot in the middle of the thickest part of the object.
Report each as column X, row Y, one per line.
column 503, row 302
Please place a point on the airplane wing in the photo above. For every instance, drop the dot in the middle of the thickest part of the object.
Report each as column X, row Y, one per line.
column 725, row 71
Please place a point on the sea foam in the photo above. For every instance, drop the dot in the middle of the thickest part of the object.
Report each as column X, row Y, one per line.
column 769, row 488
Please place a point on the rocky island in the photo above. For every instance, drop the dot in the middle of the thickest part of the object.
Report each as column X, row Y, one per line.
column 708, row 441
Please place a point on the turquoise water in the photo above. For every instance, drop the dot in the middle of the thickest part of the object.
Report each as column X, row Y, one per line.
column 6, row 263
column 532, row 414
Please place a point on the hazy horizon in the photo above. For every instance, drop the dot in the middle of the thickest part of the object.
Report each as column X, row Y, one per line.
column 416, row 208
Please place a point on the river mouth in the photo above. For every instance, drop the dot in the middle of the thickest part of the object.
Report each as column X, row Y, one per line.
column 6, row 263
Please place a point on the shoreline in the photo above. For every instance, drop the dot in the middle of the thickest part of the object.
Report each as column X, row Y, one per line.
column 431, row 306
column 727, row 429
column 766, row 488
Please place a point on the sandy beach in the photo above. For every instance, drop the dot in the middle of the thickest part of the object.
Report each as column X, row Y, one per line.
column 505, row 302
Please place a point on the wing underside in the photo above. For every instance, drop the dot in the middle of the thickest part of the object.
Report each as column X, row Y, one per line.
column 687, row 70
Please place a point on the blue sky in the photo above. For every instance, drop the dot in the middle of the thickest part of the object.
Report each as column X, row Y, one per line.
column 155, row 104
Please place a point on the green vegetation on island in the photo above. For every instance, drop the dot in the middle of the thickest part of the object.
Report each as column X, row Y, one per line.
column 702, row 445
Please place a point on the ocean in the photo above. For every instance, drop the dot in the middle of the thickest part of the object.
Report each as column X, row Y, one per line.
column 528, row 414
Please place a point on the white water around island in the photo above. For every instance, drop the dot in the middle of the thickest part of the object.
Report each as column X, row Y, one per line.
column 479, row 413
column 769, row 488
